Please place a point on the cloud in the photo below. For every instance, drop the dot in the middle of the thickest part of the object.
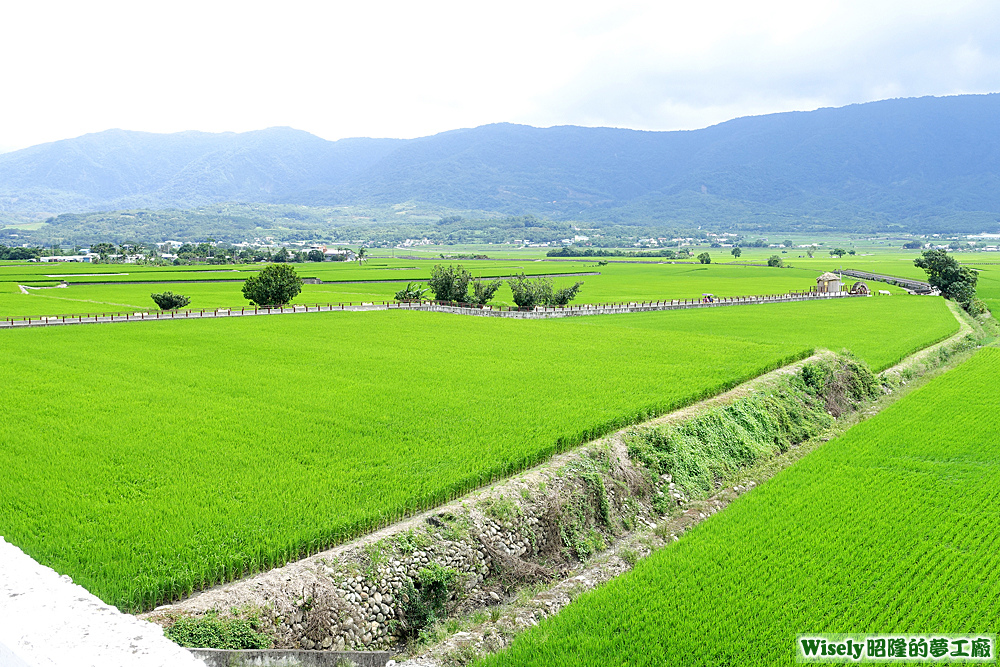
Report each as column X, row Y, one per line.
column 408, row 69
column 833, row 56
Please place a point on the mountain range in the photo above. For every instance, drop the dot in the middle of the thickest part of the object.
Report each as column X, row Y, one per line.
column 919, row 164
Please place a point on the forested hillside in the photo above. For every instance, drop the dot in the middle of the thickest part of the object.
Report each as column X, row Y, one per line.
column 926, row 164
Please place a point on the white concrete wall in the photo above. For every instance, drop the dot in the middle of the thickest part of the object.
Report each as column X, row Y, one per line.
column 48, row 621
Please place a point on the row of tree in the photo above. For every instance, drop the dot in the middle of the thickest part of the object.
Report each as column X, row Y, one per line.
column 455, row 284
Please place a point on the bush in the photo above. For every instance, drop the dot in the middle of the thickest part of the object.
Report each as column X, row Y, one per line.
column 774, row 260
column 424, row 601
column 170, row 301
column 275, row 285
column 412, row 292
column 210, row 631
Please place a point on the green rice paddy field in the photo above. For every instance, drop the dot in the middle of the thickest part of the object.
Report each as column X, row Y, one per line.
column 149, row 459
column 892, row 528
column 617, row 282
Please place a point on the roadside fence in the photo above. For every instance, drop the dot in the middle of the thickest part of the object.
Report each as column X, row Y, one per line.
column 429, row 306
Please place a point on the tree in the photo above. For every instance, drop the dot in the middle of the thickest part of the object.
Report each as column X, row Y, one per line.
column 362, row 255
column 852, row 252
column 275, row 285
column 539, row 292
column 281, row 256
column 774, row 260
column 787, row 243
column 838, row 252
column 563, row 296
column 412, row 292
column 944, row 272
column 482, row 292
column 170, row 301
column 449, row 284
column 315, row 256
column 913, row 245
column 736, row 252
column 103, row 249
column 704, row 258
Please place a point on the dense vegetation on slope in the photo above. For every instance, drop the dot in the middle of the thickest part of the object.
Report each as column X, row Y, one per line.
column 149, row 459
column 921, row 164
column 889, row 529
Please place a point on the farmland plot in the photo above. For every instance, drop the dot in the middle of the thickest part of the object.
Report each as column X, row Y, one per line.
column 149, row 459
column 889, row 529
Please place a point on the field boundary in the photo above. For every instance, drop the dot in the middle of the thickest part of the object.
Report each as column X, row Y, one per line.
column 426, row 306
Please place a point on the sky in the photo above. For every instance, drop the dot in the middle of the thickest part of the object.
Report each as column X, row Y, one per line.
column 408, row 69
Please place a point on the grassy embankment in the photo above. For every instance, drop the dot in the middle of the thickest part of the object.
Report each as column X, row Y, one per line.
column 888, row 529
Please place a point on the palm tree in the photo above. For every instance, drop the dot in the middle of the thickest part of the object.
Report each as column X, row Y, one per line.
column 362, row 255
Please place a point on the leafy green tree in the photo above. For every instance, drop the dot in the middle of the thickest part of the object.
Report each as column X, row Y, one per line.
column 315, row 256
column 787, row 243
column 913, row 245
column 852, row 252
column 103, row 249
column 774, row 260
column 944, row 272
column 736, row 252
column 275, row 285
column 412, row 292
column 281, row 256
column 562, row 297
column 450, row 284
column 704, row 258
column 838, row 252
column 170, row 301
column 539, row 292
column 362, row 255
column 483, row 291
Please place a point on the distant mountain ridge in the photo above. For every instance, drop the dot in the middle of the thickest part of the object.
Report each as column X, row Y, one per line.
column 920, row 163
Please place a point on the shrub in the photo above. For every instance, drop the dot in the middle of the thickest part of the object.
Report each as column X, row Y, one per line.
column 424, row 600
column 774, row 260
column 275, row 285
column 412, row 292
column 210, row 631
column 170, row 301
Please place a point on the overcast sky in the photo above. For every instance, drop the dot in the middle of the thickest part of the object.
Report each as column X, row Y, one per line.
column 408, row 69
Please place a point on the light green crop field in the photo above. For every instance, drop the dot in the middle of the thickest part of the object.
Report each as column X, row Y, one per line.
column 891, row 528
column 616, row 282
column 149, row 459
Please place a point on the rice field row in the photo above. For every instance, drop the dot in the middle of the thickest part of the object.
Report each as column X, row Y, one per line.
column 890, row 529
column 147, row 461
column 616, row 283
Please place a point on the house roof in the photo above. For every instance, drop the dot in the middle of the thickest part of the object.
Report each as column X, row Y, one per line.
column 829, row 276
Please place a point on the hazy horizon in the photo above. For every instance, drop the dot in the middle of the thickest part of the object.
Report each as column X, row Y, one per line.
column 10, row 149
